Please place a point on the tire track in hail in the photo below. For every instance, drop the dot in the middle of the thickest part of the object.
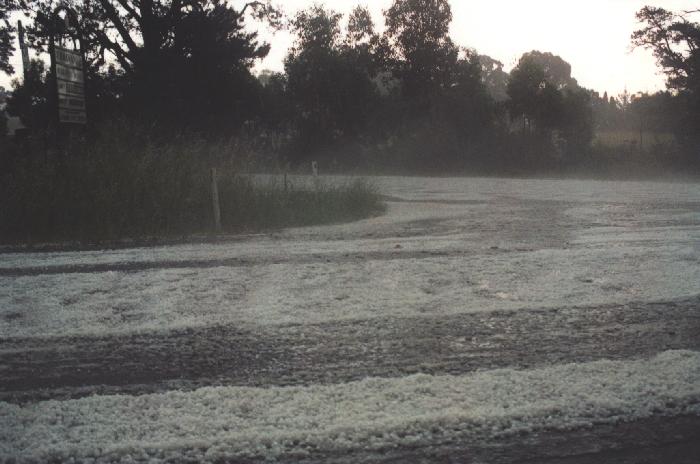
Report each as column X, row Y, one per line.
column 341, row 351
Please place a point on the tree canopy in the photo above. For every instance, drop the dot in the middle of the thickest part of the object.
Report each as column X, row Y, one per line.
column 7, row 34
column 542, row 92
column 328, row 77
column 402, row 92
column 177, row 61
column 675, row 42
column 423, row 54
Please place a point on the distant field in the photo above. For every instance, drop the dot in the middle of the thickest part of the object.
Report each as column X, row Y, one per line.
column 623, row 138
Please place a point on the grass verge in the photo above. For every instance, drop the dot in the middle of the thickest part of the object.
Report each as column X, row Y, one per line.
column 116, row 189
column 248, row 203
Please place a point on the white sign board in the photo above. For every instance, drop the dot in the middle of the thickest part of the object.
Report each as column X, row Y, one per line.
column 71, row 102
column 69, row 74
column 69, row 58
column 70, row 84
column 70, row 89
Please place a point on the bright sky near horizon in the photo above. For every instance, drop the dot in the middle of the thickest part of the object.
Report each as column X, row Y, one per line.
column 594, row 36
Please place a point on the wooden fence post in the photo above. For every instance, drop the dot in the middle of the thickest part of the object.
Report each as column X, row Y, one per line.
column 215, row 200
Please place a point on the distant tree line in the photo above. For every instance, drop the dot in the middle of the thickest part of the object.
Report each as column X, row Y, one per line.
column 351, row 96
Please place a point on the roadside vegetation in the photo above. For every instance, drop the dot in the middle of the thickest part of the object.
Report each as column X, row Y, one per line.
column 123, row 186
column 356, row 96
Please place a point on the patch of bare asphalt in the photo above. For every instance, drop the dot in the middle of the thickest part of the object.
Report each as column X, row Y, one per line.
column 440, row 201
column 338, row 258
column 307, row 354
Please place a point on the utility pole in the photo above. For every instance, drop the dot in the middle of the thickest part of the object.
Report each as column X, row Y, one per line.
column 23, row 49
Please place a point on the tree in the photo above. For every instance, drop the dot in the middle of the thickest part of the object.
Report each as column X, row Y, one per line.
column 653, row 113
column 542, row 91
column 675, row 41
column 362, row 44
column 180, row 59
column 424, row 55
column 316, row 28
column 29, row 97
column 494, row 77
column 467, row 110
column 527, row 81
column 7, row 35
column 606, row 112
column 6, row 46
column 537, row 87
column 277, row 113
column 312, row 69
column 360, row 27
column 332, row 93
column 556, row 71
column 577, row 122
column 138, row 32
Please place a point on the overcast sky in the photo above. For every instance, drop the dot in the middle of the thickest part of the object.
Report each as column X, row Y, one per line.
column 592, row 35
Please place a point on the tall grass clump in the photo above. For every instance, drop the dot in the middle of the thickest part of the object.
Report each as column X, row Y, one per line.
column 258, row 203
column 125, row 184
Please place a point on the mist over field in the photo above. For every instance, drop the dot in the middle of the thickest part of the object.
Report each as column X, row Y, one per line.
column 395, row 248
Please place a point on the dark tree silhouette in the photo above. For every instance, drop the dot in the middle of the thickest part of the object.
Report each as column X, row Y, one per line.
column 362, row 44
column 7, row 35
column 178, row 59
column 525, row 87
column 494, row 77
column 138, row 32
column 557, row 71
column 542, row 92
column 675, row 42
column 423, row 55
column 29, row 97
column 537, row 88
column 331, row 89
column 360, row 27
column 466, row 108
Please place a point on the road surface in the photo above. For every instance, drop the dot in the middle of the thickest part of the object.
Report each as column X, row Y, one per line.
column 478, row 320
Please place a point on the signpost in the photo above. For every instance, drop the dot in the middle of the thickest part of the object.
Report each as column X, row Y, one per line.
column 70, row 86
column 23, row 48
column 67, row 98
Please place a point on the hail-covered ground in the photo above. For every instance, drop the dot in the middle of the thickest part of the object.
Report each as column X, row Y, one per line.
column 478, row 320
